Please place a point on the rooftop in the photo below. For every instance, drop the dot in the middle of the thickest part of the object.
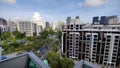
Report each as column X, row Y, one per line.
column 27, row 60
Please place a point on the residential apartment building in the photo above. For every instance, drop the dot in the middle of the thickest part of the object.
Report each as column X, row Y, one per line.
column 12, row 25
column 96, row 43
column 37, row 29
column 25, row 27
column 29, row 28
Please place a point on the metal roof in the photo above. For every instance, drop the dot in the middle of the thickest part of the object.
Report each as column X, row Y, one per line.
column 22, row 61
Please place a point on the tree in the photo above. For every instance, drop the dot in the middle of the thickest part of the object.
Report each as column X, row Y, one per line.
column 5, row 35
column 55, row 48
column 11, row 49
column 18, row 35
column 15, row 44
column 67, row 63
column 28, row 47
column 44, row 34
column 53, row 59
column 59, row 34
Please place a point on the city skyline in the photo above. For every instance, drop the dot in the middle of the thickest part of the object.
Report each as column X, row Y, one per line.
column 58, row 10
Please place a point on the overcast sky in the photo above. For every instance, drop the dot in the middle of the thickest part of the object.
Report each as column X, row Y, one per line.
column 54, row 10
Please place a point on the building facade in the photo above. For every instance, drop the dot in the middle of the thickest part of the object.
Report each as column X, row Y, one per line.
column 47, row 25
column 105, row 20
column 12, row 26
column 29, row 28
column 37, row 29
column 25, row 27
column 70, row 20
column 3, row 26
column 96, row 43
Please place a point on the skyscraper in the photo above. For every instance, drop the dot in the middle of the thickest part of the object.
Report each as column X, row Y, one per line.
column 113, row 19
column 68, row 20
column 95, row 20
column 103, row 20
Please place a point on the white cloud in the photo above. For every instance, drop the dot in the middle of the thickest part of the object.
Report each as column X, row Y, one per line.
column 8, row 1
column 95, row 3
column 36, row 16
column 80, row 4
column 37, row 19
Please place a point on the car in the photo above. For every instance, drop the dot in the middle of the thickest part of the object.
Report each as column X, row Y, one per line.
column 3, row 57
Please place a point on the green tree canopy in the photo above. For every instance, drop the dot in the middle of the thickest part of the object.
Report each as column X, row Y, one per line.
column 59, row 34
column 18, row 34
column 15, row 44
column 53, row 59
column 67, row 63
column 5, row 35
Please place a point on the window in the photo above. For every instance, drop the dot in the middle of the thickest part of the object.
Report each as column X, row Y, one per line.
column 108, row 40
column 76, row 37
column 112, row 64
column 115, row 51
column 94, row 45
column 113, row 57
column 94, row 42
column 77, row 25
column 105, row 59
column 88, row 38
column 115, row 47
column 116, row 40
column 76, row 28
column 107, row 46
column 106, row 56
column 115, row 43
column 108, row 36
column 106, row 50
column 95, row 39
column 114, row 54
column 116, row 36
column 94, row 49
column 106, row 53
column 88, row 35
column 95, row 35
column 113, row 60
column 71, row 25
column 107, row 43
